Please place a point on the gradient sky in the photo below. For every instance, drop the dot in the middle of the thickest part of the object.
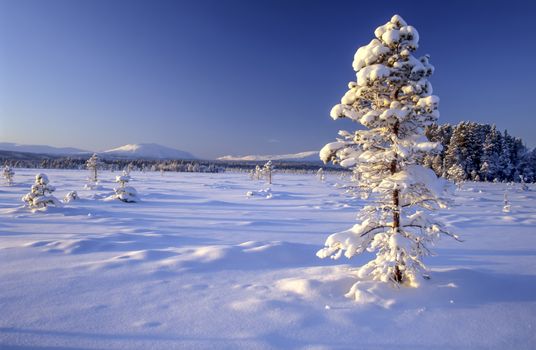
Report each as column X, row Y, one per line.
column 242, row 77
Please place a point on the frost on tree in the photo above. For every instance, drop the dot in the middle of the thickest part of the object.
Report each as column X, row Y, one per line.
column 257, row 174
column 124, row 192
column 8, row 174
column 267, row 171
column 40, row 195
column 393, row 99
column 92, row 164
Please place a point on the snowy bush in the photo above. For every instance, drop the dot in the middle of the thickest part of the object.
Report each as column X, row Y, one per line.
column 265, row 172
column 125, row 193
column 8, row 174
column 506, row 206
column 524, row 186
column 393, row 99
column 256, row 174
column 40, row 195
column 71, row 196
column 320, row 175
column 265, row 193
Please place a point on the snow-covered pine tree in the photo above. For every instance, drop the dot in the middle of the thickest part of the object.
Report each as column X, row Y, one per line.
column 258, row 172
column 92, row 164
column 40, row 195
column 505, row 160
column 393, row 99
column 125, row 193
column 441, row 134
column 457, row 155
column 267, row 170
column 457, row 174
column 528, row 166
column 491, row 151
column 8, row 174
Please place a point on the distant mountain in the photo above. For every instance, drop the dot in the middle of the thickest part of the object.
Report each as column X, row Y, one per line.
column 146, row 151
column 309, row 156
column 41, row 149
column 13, row 155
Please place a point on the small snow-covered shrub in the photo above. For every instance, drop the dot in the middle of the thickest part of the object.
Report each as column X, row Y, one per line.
column 256, row 174
column 506, row 206
column 456, row 174
column 320, row 175
column 71, row 196
column 524, row 186
column 8, row 174
column 125, row 193
column 40, row 195
column 266, row 193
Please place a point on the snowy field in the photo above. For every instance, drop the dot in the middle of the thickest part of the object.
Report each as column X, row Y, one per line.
column 199, row 265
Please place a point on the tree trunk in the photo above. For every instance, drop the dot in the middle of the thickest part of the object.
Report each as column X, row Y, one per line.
column 397, row 274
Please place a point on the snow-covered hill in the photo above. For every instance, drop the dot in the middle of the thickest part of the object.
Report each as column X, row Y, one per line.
column 146, row 151
column 309, row 156
column 41, row 149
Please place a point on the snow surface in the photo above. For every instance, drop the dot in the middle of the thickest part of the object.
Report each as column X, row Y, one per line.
column 199, row 265
column 146, row 151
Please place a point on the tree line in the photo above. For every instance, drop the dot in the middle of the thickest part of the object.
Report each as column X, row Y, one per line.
column 480, row 152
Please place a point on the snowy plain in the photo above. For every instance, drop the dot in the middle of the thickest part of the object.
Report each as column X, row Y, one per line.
column 197, row 264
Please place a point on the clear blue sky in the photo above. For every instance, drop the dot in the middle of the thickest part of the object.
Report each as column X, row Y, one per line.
column 241, row 77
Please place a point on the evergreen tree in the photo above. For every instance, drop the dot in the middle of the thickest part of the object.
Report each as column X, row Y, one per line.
column 8, row 174
column 93, row 164
column 267, row 171
column 125, row 193
column 528, row 166
column 442, row 134
column 40, row 195
column 456, row 173
column 491, row 151
column 505, row 167
column 393, row 99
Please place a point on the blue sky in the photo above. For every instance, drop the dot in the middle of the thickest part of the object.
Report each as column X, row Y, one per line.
column 241, row 77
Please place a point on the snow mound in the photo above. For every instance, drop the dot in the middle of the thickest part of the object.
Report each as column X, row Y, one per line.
column 250, row 255
column 319, row 283
column 264, row 193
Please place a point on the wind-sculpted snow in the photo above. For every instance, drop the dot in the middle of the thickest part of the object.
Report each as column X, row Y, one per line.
column 196, row 264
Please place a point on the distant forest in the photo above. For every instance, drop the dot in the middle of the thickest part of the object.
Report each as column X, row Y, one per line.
column 480, row 152
column 41, row 161
column 471, row 151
